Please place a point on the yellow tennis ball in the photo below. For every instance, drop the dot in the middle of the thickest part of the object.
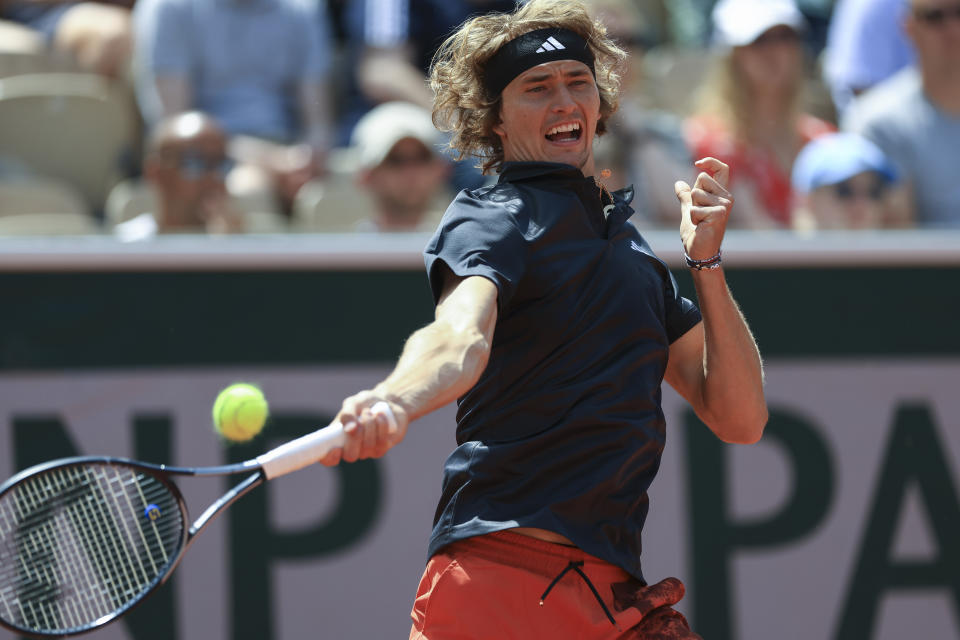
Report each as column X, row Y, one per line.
column 240, row 412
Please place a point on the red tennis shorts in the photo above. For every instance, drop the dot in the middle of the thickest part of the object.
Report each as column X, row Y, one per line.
column 506, row 585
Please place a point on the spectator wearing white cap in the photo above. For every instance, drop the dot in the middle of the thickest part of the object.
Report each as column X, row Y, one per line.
column 400, row 166
column 749, row 114
column 844, row 181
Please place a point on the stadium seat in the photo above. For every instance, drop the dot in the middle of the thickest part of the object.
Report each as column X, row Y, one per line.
column 333, row 204
column 78, row 128
column 40, row 195
column 48, row 224
column 336, row 205
column 16, row 63
column 43, row 207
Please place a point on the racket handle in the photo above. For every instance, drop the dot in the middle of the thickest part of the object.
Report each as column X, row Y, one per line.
column 307, row 449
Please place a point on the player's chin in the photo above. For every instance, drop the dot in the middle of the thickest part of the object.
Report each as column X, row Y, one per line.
column 578, row 158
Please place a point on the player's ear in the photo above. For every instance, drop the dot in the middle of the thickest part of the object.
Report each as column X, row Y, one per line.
column 497, row 128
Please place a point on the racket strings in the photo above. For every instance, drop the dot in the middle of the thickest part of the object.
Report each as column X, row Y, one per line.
column 80, row 543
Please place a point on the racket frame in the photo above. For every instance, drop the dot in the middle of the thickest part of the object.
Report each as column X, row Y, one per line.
column 163, row 474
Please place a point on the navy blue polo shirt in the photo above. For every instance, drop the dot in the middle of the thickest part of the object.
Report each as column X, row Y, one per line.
column 564, row 429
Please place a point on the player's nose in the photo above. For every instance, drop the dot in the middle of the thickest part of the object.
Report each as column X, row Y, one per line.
column 563, row 101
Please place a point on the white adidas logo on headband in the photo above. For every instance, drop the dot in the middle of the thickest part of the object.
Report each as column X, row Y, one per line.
column 550, row 44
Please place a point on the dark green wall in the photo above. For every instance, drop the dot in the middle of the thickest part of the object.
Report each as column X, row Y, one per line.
column 91, row 320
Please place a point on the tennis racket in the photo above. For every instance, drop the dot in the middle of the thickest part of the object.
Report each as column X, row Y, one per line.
column 83, row 540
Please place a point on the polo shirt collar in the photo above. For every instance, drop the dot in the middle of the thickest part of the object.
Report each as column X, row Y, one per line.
column 515, row 171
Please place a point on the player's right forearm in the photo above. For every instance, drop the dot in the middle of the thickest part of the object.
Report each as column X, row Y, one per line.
column 439, row 363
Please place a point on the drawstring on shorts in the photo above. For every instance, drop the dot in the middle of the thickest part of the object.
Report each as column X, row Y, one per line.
column 576, row 566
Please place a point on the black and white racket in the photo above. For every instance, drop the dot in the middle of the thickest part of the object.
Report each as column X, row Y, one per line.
column 83, row 540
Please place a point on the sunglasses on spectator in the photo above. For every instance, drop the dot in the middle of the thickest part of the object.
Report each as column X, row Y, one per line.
column 846, row 191
column 397, row 160
column 195, row 165
column 936, row 16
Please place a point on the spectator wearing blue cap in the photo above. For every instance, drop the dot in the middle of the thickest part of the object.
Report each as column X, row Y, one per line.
column 844, row 181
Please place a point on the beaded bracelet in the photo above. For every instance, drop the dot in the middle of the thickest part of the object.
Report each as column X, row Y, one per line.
column 700, row 265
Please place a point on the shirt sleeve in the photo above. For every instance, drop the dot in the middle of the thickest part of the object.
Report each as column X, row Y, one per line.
column 161, row 47
column 681, row 314
column 313, row 28
column 386, row 23
column 164, row 31
column 872, row 117
column 866, row 43
column 477, row 237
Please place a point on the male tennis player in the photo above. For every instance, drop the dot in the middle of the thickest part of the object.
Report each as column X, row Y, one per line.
column 555, row 327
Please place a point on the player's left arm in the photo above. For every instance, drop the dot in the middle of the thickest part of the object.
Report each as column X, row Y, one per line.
column 716, row 365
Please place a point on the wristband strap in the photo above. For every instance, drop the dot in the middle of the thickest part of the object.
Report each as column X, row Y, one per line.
column 700, row 265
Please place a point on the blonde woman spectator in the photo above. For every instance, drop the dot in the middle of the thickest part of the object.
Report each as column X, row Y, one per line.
column 750, row 115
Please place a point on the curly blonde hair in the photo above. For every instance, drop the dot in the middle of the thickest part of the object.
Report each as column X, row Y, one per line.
column 461, row 103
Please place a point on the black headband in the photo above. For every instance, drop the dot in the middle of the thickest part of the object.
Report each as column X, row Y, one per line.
column 533, row 48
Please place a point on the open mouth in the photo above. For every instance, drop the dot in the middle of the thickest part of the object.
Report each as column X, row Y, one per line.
column 569, row 132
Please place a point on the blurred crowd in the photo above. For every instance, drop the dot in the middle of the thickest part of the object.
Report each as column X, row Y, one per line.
column 142, row 117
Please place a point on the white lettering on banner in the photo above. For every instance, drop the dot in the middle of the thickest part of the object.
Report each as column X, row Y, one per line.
column 802, row 584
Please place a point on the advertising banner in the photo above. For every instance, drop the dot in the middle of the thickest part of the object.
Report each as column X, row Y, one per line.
column 847, row 508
